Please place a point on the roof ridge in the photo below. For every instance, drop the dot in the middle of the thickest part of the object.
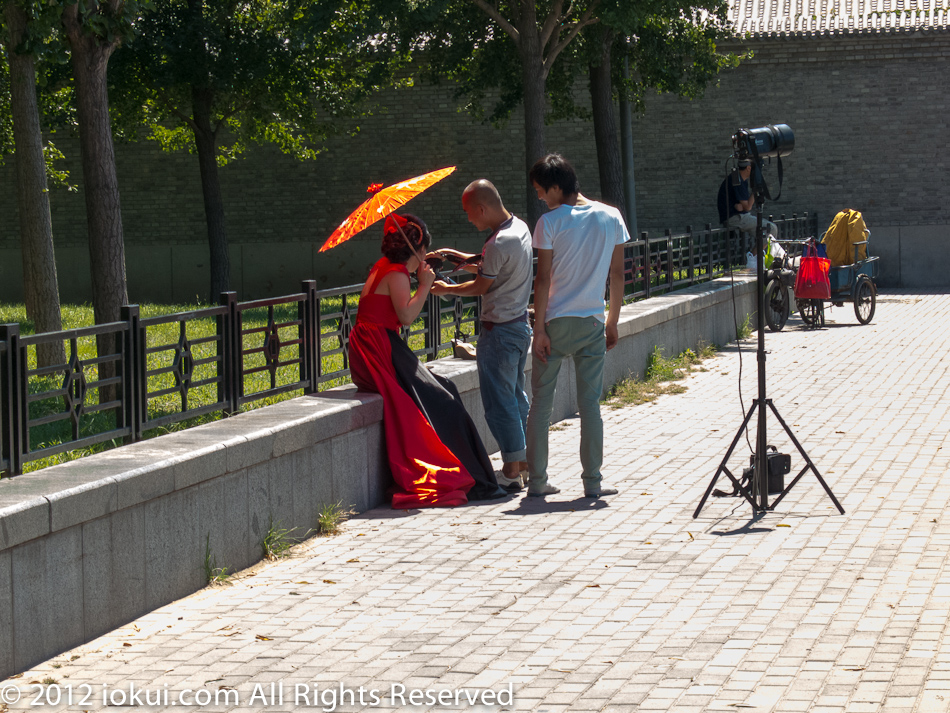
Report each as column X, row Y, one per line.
column 769, row 17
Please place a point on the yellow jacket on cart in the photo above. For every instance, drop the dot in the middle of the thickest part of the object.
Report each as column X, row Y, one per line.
column 846, row 229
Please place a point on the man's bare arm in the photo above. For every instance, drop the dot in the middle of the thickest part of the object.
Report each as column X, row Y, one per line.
column 479, row 286
column 616, row 296
column 542, row 288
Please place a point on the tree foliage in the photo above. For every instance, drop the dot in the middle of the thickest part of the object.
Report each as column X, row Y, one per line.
column 507, row 50
column 278, row 72
column 214, row 76
column 503, row 54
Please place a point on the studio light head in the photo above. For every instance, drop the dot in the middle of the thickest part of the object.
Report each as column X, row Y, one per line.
column 765, row 142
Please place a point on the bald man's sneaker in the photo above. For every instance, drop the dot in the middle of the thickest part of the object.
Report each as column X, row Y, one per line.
column 603, row 492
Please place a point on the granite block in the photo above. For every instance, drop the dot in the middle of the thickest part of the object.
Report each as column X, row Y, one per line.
column 6, row 614
column 84, row 501
column 140, row 485
column 281, row 494
column 174, row 549
column 349, row 458
column 204, row 463
column 22, row 520
column 321, row 468
column 924, row 251
column 234, row 550
column 250, row 449
column 380, row 474
column 211, row 522
column 304, row 505
column 260, row 515
column 47, row 597
column 113, row 571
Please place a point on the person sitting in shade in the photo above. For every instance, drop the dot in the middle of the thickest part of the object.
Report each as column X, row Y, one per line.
column 736, row 203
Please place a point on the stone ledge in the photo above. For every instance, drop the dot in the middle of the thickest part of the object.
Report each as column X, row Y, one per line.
column 95, row 486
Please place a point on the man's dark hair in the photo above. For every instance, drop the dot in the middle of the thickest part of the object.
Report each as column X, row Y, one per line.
column 555, row 170
column 395, row 248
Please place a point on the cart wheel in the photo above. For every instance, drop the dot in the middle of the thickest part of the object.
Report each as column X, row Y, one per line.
column 776, row 305
column 865, row 299
column 812, row 313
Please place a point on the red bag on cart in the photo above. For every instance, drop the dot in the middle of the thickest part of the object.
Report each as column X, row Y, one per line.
column 813, row 282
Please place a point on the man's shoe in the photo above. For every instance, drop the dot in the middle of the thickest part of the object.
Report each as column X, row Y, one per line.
column 546, row 490
column 512, row 485
column 601, row 493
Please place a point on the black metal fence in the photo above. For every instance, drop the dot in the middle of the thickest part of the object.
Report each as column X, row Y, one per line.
column 176, row 369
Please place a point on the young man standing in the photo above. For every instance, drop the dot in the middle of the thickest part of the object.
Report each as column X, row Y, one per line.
column 580, row 244
column 504, row 281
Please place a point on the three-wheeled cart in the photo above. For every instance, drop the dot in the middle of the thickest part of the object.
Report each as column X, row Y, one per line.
column 853, row 283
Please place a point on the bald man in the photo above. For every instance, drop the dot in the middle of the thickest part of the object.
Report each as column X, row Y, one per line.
column 503, row 279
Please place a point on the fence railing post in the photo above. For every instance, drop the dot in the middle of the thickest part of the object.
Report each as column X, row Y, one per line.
column 727, row 267
column 692, row 254
column 307, row 313
column 647, row 264
column 709, row 251
column 7, row 386
column 669, row 260
column 431, row 333
column 14, row 418
column 133, row 367
column 229, row 364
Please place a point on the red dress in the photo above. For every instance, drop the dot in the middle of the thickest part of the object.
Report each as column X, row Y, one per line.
column 431, row 466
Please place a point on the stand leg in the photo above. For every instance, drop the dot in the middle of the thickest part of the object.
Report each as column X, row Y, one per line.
column 724, row 469
column 809, row 465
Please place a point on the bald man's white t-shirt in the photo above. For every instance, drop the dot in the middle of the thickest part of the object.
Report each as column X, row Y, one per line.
column 582, row 238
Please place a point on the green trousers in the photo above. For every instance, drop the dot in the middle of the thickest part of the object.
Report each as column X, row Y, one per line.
column 583, row 339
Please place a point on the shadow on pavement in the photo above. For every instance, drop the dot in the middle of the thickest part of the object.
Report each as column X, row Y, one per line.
column 387, row 512
column 540, row 506
column 748, row 528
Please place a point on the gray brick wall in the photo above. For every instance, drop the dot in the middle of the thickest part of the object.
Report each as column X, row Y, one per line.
column 869, row 115
column 870, row 122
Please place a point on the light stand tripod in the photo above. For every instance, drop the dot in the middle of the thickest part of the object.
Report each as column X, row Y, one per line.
column 757, row 494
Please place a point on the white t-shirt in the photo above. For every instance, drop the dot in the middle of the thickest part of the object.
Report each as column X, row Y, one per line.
column 582, row 238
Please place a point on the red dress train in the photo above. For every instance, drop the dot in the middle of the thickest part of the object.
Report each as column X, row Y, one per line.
column 422, row 413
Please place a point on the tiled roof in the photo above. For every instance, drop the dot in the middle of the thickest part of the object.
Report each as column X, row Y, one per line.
column 831, row 17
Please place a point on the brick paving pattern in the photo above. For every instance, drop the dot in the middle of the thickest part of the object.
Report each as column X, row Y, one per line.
column 627, row 603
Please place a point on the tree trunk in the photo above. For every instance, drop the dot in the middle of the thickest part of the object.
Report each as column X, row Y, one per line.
column 40, row 286
column 205, row 140
column 90, row 60
column 606, row 133
column 534, row 103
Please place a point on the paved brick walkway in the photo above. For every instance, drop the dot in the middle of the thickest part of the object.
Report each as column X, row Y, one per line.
column 630, row 603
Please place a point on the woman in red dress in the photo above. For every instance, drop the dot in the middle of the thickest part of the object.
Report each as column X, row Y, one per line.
column 435, row 453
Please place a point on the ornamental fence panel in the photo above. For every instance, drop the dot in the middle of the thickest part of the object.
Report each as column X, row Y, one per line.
column 143, row 376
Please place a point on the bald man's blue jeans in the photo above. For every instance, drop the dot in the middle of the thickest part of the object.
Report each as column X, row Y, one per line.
column 582, row 339
column 501, row 356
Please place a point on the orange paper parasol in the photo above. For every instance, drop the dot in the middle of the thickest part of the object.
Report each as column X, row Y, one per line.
column 382, row 204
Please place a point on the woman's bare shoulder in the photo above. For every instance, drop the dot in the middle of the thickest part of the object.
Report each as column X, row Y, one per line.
column 397, row 277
